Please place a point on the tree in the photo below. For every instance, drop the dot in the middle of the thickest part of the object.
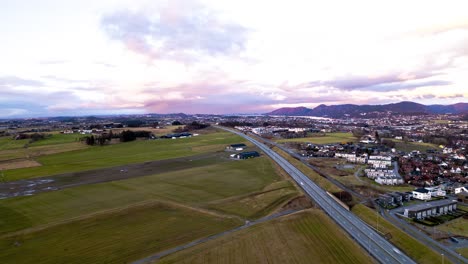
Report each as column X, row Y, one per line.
column 388, row 143
column 358, row 133
column 127, row 135
column 176, row 123
column 90, row 140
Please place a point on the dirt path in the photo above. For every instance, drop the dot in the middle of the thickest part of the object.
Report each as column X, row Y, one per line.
column 67, row 180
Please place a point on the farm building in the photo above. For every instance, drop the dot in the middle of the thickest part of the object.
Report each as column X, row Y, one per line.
column 247, row 155
column 239, row 146
column 436, row 208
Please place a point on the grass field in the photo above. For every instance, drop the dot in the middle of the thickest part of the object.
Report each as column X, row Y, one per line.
column 200, row 186
column 410, row 146
column 129, row 219
column 458, row 227
column 306, row 237
column 412, row 247
column 463, row 251
column 120, row 154
column 118, row 236
column 327, row 139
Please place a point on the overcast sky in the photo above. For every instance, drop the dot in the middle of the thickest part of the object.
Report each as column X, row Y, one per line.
column 194, row 56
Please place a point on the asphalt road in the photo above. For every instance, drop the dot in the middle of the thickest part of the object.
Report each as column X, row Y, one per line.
column 377, row 246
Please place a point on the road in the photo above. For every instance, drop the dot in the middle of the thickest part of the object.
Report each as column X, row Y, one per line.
column 377, row 246
column 316, row 169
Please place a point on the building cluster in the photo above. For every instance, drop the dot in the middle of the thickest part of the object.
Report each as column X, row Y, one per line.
column 394, row 198
column 424, row 169
column 379, row 170
column 428, row 193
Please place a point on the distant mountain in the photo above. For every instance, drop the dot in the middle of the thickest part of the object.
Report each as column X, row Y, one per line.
column 359, row 110
column 292, row 111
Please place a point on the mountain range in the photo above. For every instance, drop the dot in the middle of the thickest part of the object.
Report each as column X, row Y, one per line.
column 352, row 110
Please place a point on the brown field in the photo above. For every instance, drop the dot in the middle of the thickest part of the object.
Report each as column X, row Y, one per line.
column 306, row 237
column 17, row 164
column 32, row 152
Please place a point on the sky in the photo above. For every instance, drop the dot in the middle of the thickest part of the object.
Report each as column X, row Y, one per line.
column 89, row 57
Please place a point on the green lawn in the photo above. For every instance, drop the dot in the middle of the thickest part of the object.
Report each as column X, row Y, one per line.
column 113, row 237
column 306, row 237
column 327, row 139
column 412, row 247
column 124, row 153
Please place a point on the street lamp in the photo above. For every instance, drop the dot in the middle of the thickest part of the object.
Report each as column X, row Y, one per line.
column 442, row 258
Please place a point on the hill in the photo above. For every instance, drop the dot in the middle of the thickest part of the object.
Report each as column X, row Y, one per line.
column 359, row 110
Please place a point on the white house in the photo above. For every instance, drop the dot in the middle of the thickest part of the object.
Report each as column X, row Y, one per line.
column 436, row 191
column 461, row 189
column 422, row 194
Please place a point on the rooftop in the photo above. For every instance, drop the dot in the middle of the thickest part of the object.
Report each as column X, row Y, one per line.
column 423, row 206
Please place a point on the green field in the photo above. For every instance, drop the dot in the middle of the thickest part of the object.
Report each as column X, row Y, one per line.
column 111, row 237
column 201, row 186
column 51, row 139
column 124, row 153
column 458, row 227
column 410, row 146
column 130, row 219
column 412, row 247
column 328, row 138
column 463, row 251
column 306, row 237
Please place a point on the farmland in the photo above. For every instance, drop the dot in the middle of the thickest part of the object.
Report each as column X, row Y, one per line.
column 120, row 154
column 120, row 235
column 328, row 138
column 179, row 200
column 299, row 238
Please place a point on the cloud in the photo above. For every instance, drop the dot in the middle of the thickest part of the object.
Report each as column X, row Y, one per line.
column 13, row 81
column 451, row 96
column 383, row 83
column 179, row 30
column 53, row 62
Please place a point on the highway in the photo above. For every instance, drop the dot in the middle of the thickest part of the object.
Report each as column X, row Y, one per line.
column 377, row 246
